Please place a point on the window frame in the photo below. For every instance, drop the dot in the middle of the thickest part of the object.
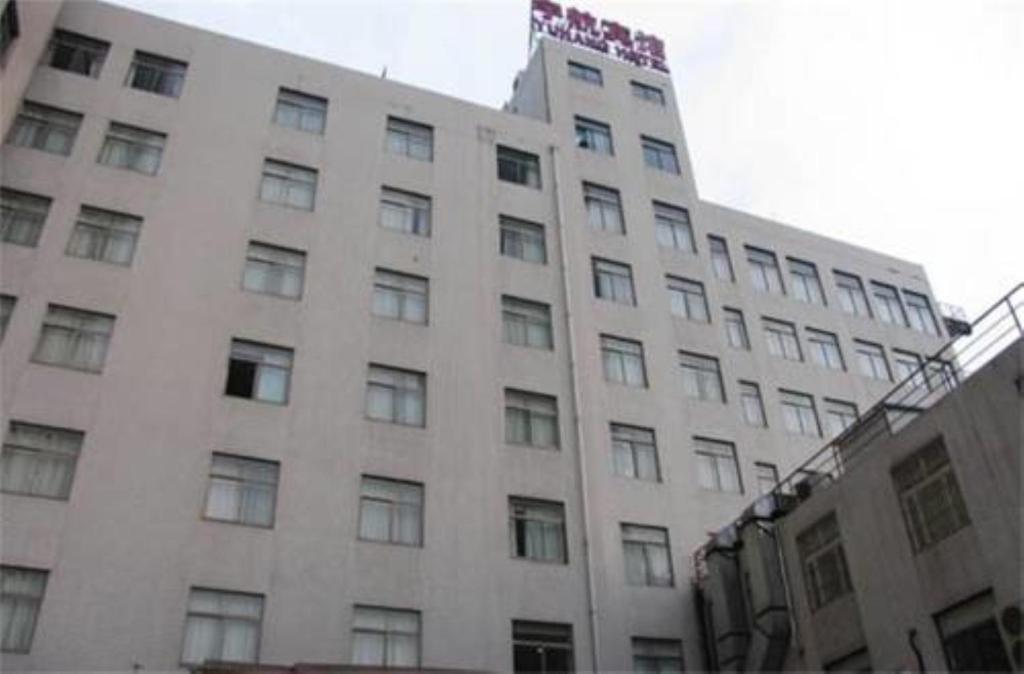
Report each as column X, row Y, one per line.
column 288, row 177
column 688, row 294
column 305, row 106
column 750, row 393
column 634, row 440
column 875, row 353
column 136, row 143
column 821, row 540
column 593, row 136
column 524, row 230
column 530, row 404
column 25, row 213
column 554, row 516
column 805, row 282
column 734, row 318
column 626, row 353
column 886, row 299
column 927, row 467
column 853, row 298
column 665, row 546
column 42, row 579
column 67, row 455
column 224, row 617
column 669, row 221
column 243, row 483
column 74, row 314
column 584, row 73
column 399, row 389
column 278, row 269
column 824, row 349
column 603, row 206
column 406, row 138
column 800, row 408
column 765, row 272
column 99, row 231
column 647, row 92
column 715, row 452
column 617, row 275
column 405, row 289
column 660, row 155
column 521, row 313
column 264, row 350
column 419, row 206
column 525, row 165
column 389, row 613
column 95, row 50
column 782, row 339
column 698, row 365
column 394, row 506
column 39, row 121
column 559, row 637
column 718, row 252
column 167, row 70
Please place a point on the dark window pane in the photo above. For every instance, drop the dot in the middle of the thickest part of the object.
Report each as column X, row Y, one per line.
column 241, row 378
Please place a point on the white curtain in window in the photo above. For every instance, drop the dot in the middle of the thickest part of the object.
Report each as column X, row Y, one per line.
column 634, row 370
column 273, row 384
column 543, row 540
column 403, row 650
column 241, row 640
column 374, row 520
column 407, row 525
column 223, row 500
column 544, row 430
column 380, row 401
column 22, row 590
column 367, row 648
column 516, row 425
column 386, row 302
column 202, row 639
column 38, row 473
column 415, row 308
column 660, row 564
column 622, row 456
column 411, row 408
column 636, row 567
column 646, row 462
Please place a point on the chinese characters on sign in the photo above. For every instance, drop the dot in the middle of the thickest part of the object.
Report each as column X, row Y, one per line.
column 607, row 37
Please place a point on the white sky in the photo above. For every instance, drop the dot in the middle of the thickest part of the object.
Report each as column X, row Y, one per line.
column 894, row 124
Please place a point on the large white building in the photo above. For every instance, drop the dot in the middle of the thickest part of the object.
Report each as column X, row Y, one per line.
column 301, row 364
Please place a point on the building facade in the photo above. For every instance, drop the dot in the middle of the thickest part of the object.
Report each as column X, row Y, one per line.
column 301, row 364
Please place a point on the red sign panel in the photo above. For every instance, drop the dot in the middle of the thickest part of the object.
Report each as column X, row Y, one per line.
column 607, row 37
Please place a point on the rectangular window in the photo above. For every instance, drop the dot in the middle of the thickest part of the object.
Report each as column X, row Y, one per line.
column 594, row 136
column 613, row 281
column 717, row 469
column 933, row 508
column 657, row 655
column 752, row 404
column 531, row 419
column 526, row 323
column 7, row 304
column 799, row 413
column 396, row 396
column 10, row 28
column 635, row 453
column 970, row 636
column 76, row 53
column 304, row 112
column 919, row 311
column 887, row 304
column 646, row 92
column 45, row 128
column 259, row 372
column 578, row 71
column 660, row 155
column 104, row 235
column 839, row 415
column 537, row 530
column 824, row 562
column 402, row 297
column 272, row 270
column 385, row 637
column 242, row 490
column 288, row 185
column 410, row 139
column 852, row 298
column 702, row 377
column 648, row 556
column 74, row 338
column 623, row 361
column 736, row 329
column 21, row 596
column 22, row 216
column 132, row 148
column 156, row 74
column 871, row 360
column 522, row 240
column 908, row 366
column 824, row 349
column 764, row 271
column 721, row 263
column 782, row 339
column 673, row 229
column 391, row 511
column 541, row 648
column 604, row 208
column 687, row 299
column 518, row 167
column 40, row 460
column 805, row 282
column 222, row 626
column 405, row 212
column 767, row 476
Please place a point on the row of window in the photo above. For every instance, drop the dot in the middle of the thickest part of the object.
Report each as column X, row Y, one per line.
column 84, row 55
column 592, row 75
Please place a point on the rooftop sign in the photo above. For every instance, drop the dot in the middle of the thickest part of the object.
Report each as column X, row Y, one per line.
column 608, row 37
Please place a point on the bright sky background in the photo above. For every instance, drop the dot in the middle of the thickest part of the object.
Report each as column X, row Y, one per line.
column 894, row 124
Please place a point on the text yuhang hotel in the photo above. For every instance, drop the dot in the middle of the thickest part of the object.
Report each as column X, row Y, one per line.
column 306, row 365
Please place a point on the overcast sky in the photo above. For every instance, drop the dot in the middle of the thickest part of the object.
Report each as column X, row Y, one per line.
column 893, row 124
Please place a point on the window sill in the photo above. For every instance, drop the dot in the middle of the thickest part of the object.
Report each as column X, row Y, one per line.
column 66, row 367
column 214, row 520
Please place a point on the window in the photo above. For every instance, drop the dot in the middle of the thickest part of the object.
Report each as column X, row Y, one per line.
column 804, row 281
column 288, row 185
column 587, row 74
column 752, row 404
column 531, row 419
column 594, row 136
column 7, row 303
column 405, row 212
column 871, row 360
column 23, row 215
column 296, row 110
column 767, row 477
column 537, row 530
column 259, row 372
column 539, row 648
column 156, row 74
column 933, row 508
column 604, row 208
column 526, row 323
column 799, row 413
column 782, row 339
column 274, row 271
column 391, row 511
column 76, row 53
column 40, row 460
column 736, row 329
column 672, row 226
column 839, row 415
column 402, row 297
column 646, row 92
column 623, row 361
column 908, row 365
column 634, row 453
column 721, row 263
column 764, row 271
column 385, row 637
column 970, row 636
column 659, row 155
column 824, row 349
column 132, row 148
column 919, row 311
column 702, row 377
column 221, row 625
column 9, row 26
column 397, row 396
column 851, row 294
column 887, row 303
column 74, row 338
column 42, row 127
column 824, row 562
column 657, row 655
column 518, row 167
column 687, row 299
column 717, row 469
column 21, row 595
column 242, row 490
column 613, row 281
column 105, row 236
column 648, row 557
column 522, row 240
column 410, row 139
